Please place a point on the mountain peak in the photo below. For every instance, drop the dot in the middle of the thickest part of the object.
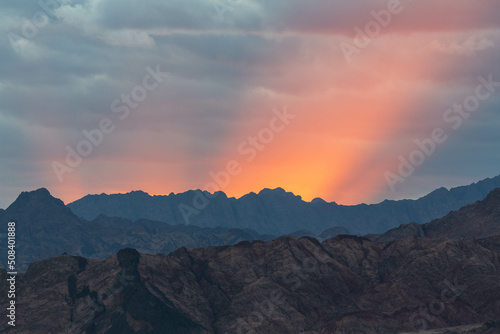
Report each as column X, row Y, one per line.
column 278, row 191
column 138, row 192
column 439, row 192
column 36, row 198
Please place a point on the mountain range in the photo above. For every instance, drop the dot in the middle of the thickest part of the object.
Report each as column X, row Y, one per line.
column 479, row 219
column 279, row 212
column 443, row 274
column 45, row 227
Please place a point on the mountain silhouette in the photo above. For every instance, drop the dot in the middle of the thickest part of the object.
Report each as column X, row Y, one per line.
column 279, row 212
column 45, row 227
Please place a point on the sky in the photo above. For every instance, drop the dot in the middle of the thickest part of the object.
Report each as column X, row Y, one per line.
column 350, row 101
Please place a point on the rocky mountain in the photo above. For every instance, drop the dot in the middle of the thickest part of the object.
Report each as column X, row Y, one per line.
column 45, row 227
column 347, row 284
column 279, row 212
column 475, row 220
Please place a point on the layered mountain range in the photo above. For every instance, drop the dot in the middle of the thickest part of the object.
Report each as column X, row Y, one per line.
column 446, row 276
column 45, row 227
column 279, row 212
column 124, row 276
column 474, row 220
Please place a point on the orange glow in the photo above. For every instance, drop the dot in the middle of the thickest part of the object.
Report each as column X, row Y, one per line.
column 338, row 147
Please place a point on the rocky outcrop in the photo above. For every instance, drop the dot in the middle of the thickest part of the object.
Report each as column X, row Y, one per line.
column 346, row 284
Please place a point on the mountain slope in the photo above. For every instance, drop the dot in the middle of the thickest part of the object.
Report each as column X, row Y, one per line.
column 475, row 220
column 344, row 285
column 278, row 212
column 45, row 227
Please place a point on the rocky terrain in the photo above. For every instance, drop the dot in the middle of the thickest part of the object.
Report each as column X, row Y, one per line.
column 46, row 228
column 475, row 220
column 346, row 284
column 279, row 212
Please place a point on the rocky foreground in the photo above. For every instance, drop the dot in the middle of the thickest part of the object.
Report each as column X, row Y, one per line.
column 344, row 285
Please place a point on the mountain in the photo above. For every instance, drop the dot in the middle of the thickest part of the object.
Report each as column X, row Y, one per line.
column 45, row 227
column 475, row 220
column 279, row 212
column 347, row 284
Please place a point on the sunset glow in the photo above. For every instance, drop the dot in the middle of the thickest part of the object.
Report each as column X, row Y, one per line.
column 353, row 117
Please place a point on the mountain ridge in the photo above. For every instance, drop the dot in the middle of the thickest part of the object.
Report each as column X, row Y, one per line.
column 279, row 212
column 45, row 227
column 478, row 219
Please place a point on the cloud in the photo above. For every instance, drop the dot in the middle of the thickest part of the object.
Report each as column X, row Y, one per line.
column 230, row 63
column 468, row 44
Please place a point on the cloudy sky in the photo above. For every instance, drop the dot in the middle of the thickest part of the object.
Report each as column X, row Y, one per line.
column 180, row 88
